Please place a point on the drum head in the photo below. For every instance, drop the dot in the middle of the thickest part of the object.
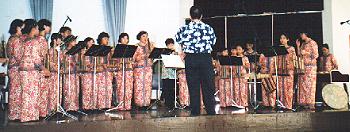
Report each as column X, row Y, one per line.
column 335, row 96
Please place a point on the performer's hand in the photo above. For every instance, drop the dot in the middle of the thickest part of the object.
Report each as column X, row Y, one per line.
column 55, row 68
column 297, row 42
column 105, row 66
column 90, row 65
column 46, row 72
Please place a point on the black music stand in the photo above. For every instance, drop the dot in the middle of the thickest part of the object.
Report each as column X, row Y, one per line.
column 156, row 55
column 232, row 61
column 272, row 52
column 74, row 50
column 157, row 52
column 123, row 51
column 96, row 51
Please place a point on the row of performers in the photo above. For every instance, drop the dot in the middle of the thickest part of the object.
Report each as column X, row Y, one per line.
column 33, row 73
column 300, row 62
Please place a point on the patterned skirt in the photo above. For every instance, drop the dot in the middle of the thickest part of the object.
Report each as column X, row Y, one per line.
column 15, row 94
column 142, row 86
column 124, row 89
column 30, row 95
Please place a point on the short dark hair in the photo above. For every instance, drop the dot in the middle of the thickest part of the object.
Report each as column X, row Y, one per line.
column 325, row 46
column 169, row 41
column 64, row 29
column 195, row 12
column 55, row 36
column 100, row 36
column 138, row 36
column 306, row 33
column 122, row 35
column 14, row 24
column 239, row 45
column 29, row 24
column 285, row 34
column 42, row 23
column 87, row 40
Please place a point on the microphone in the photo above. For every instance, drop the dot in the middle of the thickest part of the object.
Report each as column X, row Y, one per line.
column 70, row 20
column 341, row 23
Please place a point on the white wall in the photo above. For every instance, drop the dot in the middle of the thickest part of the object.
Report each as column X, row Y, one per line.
column 160, row 18
column 87, row 17
column 327, row 24
column 10, row 10
column 335, row 34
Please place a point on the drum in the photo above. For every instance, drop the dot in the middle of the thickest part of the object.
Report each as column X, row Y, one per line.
column 335, row 96
column 269, row 85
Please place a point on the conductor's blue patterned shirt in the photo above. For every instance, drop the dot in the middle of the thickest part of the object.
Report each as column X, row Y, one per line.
column 196, row 37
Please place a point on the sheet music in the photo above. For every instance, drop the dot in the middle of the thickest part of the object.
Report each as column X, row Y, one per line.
column 172, row 61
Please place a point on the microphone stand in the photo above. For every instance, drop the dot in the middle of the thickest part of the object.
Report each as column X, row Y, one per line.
column 65, row 22
column 59, row 108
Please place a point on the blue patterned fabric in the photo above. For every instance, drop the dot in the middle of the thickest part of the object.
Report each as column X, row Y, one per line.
column 196, row 37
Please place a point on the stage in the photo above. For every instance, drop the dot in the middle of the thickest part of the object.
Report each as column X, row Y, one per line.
column 229, row 119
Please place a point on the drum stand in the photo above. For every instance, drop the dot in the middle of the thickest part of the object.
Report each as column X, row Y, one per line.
column 59, row 108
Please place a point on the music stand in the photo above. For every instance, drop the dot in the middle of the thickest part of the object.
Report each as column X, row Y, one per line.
column 272, row 52
column 253, row 61
column 156, row 55
column 174, row 62
column 232, row 61
column 123, row 51
column 74, row 50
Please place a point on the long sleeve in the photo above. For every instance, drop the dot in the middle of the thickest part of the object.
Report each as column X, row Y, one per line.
column 309, row 52
column 334, row 62
column 14, row 49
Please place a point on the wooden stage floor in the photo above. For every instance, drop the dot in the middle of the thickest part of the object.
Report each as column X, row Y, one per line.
column 228, row 119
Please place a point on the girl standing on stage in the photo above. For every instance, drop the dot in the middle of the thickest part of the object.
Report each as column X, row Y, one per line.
column 70, row 77
column 225, row 94
column 239, row 81
column 327, row 60
column 285, row 80
column 124, row 89
column 308, row 50
column 56, row 40
column 143, row 71
column 44, row 28
column 29, row 70
column 13, row 49
column 88, row 86
column 105, row 76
